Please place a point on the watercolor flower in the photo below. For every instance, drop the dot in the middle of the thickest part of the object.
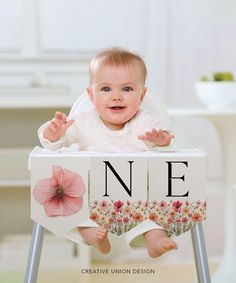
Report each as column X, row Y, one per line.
column 94, row 216
column 139, row 203
column 103, row 204
column 196, row 217
column 145, row 204
column 153, row 216
column 126, row 219
column 127, row 209
column 118, row 205
column 185, row 210
column 62, row 194
column 137, row 216
column 163, row 204
column 176, row 205
column 111, row 220
column 184, row 220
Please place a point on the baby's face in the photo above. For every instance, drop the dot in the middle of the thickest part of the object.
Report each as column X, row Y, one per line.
column 117, row 93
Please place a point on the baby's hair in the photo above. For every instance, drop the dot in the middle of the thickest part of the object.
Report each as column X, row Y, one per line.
column 116, row 56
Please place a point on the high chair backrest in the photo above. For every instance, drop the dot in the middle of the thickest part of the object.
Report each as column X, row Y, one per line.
column 150, row 102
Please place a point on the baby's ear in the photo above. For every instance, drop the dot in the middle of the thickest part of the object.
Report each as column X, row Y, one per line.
column 143, row 94
column 90, row 93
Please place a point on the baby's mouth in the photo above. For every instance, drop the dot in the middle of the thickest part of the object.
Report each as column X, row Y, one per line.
column 117, row 107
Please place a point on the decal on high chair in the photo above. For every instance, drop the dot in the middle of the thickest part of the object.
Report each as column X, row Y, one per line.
column 59, row 191
column 118, row 191
column 174, row 198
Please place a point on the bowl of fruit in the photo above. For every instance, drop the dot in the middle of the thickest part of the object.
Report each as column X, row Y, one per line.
column 218, row 91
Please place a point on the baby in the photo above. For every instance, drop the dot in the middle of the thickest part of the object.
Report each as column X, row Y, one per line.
column 117, row 124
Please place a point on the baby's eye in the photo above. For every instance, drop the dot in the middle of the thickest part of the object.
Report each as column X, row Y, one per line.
column 105, row 88
column 127, row 88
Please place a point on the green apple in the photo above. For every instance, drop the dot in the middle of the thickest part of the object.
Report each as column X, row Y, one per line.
column 204, row 79
column 223, row 76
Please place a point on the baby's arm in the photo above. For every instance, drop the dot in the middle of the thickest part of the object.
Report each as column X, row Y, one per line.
column 57, row 127
column 160, row 137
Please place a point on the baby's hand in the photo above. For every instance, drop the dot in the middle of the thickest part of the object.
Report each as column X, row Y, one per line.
column 57, row 127
column 160, row 137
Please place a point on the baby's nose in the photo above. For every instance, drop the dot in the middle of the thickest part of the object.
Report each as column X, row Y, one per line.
column 117, row 95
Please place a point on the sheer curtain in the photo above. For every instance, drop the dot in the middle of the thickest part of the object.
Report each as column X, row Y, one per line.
column 191, row 39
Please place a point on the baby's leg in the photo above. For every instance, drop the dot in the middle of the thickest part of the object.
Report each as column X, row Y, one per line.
column 96, row 236
column 158, row 243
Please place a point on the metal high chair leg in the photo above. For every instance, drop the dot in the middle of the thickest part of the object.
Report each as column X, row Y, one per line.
column 200, row 254
column 34, row 254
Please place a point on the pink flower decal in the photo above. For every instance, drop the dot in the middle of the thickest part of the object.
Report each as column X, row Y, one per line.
column 62, row 194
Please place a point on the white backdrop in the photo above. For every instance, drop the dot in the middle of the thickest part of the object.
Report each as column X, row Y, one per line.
column 179, row 40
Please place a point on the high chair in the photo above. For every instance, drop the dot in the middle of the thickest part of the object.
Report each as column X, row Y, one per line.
column 198, row 243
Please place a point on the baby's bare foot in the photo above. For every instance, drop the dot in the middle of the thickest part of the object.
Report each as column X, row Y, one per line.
column 158, row 243
column 97, row 237
column 162, row 246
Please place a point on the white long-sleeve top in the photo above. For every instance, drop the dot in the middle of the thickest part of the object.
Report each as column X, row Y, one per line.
column 91, row 133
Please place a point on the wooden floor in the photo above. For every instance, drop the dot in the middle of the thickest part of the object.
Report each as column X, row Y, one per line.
column 115, row 273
